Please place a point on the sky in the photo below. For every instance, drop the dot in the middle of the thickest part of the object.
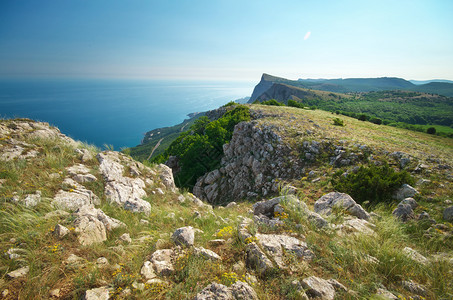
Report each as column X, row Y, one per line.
column 226, row 39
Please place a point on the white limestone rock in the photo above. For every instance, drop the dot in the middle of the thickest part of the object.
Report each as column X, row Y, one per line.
column 184, row 236
column 325, row 204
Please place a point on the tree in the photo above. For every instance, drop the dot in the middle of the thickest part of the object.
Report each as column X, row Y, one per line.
column 431, row 130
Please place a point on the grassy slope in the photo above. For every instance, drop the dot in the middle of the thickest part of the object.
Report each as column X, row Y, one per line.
column 341, row 257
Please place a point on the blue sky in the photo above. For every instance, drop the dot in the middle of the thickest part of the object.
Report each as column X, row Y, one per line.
column 226, row 39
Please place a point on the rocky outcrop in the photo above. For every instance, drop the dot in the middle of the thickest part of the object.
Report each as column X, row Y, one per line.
column 76, row 196
column 253, row 160
column 124, row 191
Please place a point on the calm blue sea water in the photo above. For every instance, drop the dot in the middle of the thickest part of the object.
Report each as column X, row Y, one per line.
column 113, row 112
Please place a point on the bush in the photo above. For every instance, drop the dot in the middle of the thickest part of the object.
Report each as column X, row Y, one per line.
column 273, row 102
column 374, row 184
column 363, row 117
column 293, row 103
column 338, row 122
column 431, row 130
column 376, row 121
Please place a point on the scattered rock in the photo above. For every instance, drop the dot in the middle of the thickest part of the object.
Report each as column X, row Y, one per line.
column 318, row 288
column 74, row 260
column 101, row 293
column 147, row 271
column 207, row 254
column 403, row 212
column 243, row 291
column 102, row 261
column 385, row 294
column 162, row 261
column 166, row 175
column 217, row 242
column 32, row 200
column 54, row 293
column 91, row 225
column 231, row 204
column 239, row 290
column 75, row 198
column 276, row 244
column 60, row 231
column 125, row 238
column 448, row 214
column 357, row 225
column 410, row 201
column 184, row 236
column 257, row 259
column 414, row 287
column 414, row 255
column 405, row 191
column 215, row 291
column 18, row 272
column 325, row 204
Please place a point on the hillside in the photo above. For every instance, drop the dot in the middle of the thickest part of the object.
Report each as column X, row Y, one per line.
column 393, row 106
column 354, row 85
column 77, row 222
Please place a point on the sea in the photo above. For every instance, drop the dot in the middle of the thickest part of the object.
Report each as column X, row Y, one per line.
column 113, row 113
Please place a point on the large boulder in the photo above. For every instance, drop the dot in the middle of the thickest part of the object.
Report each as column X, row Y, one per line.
column 405, row 191
column 242, row 291
column 276, row 245
column 166, row 176
column 91, row 225
column 318, row 288
column 403, row 212
column 162, row 262
column 184, row 236
column 325, row 204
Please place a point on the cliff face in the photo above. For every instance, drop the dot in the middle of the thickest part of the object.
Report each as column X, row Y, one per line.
column 254, row 159
column 266, row 82
column 283, row 93
column 259, row 158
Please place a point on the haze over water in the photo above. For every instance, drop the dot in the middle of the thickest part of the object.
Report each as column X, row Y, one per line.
column 113, row 112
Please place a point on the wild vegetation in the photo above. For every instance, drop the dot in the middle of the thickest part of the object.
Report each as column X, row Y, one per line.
column 364, row 263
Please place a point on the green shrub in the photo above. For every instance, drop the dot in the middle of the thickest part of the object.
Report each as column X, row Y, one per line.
column 374, row 184
column 273, row 102
column 338, row 122
column 431, row 130
column 376, row 121
column 293, row 103
column 363, row 117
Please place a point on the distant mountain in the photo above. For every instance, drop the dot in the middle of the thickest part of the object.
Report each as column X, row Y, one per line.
column 419, row 82
column 349, row 85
